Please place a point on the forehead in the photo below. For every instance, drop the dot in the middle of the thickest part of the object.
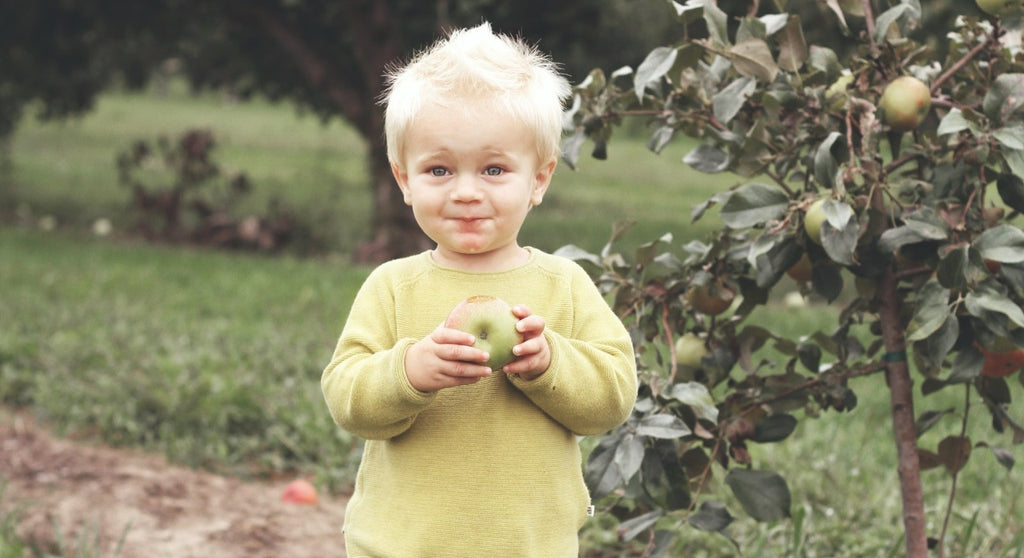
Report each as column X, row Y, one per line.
column 469, row 125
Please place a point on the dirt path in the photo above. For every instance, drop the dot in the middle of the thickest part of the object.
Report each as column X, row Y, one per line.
column 167, row 510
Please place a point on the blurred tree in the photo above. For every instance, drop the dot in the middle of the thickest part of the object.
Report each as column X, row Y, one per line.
column 327, row 57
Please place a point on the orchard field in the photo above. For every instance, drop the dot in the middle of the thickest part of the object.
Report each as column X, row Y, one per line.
column 211, row 359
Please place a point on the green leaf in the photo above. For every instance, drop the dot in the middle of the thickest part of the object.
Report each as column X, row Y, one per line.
column 753, row 58
column 774, row 428
column 1011, row 136
column 1004, row 97
column 712, row 516
column 658, row 62
column 792, row 45
column 575, row 253
column 1004, row 457
column 717, row 22
column 629, row 529
column 981, row 302
column 728, row 102
column 953, row 122
column 764, row 495
column 932, row 311
column 887, row 18
column 707, row 159
column 928, row 419
column 753, row 204
column 696, row 396
column 826, row 159
column 825, row 60
column 1002, row 243
column 961, row 268
column 629, row 454
column 662, row 426
column 571, row 146
column 1011, row 189
column 602, row 473
column 836, row 9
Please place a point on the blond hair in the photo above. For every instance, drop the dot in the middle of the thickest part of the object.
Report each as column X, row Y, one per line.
column 475, row 64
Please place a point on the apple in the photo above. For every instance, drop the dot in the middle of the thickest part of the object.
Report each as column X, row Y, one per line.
column 1000, row 364
column 998, row 7
column 905, row 103
column 690, row 350
column 703, row 300
column 814, row 218
column 802, row 270
column 491, row 321
column 300, row 491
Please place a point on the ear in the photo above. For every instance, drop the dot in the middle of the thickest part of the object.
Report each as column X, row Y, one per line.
column 542, row 180
column 402, row 178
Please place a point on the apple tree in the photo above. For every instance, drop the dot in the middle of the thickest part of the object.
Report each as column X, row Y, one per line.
column 887, row 179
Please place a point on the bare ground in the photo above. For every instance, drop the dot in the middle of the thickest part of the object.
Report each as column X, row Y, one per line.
column 109, row 497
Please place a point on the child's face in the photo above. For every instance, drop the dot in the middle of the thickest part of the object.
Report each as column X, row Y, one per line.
column 471, row 177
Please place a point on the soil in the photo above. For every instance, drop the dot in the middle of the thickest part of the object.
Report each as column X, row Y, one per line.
column 106, row 498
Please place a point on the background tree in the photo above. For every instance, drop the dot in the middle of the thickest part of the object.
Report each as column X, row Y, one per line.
column 890, row 167
column 326, row 57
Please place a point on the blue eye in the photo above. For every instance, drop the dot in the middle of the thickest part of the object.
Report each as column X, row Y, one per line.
column 438, row 171
column 493, row 171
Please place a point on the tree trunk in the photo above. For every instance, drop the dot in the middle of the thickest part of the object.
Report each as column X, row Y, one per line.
column 901, row 401
column 395, row 232
column 901, row 390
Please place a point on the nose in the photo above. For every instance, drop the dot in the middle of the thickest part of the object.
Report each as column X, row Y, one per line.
column 466, row 189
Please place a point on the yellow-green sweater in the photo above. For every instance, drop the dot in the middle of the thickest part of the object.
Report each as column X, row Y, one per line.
column 491, row 469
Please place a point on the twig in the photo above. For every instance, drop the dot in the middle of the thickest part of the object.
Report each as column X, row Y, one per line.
column 956, row 474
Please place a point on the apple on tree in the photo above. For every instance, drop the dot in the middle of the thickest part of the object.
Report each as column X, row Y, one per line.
column 905, row 103
column 690, row 350
column 493, row 325
column 998, row 7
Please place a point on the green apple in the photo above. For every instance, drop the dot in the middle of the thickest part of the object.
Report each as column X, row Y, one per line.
column 998, row 7
column 905, row 103
column 690, row 350
column 814, row 218
column 491, row 321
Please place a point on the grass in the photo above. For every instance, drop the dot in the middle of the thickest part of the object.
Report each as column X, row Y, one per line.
column 214, row 358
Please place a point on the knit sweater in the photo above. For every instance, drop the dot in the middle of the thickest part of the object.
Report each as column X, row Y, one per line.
column 491, row 468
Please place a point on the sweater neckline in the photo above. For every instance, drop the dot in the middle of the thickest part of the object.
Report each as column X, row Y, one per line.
column 433, row 264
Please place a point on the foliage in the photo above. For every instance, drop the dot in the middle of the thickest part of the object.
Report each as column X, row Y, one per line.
column 327, row 58
column 192, row 201
column 936, row 259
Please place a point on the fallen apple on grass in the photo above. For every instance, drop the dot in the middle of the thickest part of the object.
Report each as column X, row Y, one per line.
column 491, row 322
column 300, row 491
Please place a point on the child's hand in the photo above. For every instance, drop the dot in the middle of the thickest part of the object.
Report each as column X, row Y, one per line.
column 534, row 353
column 444, row 359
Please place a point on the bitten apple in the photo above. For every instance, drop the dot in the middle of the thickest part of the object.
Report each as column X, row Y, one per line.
column 491, row 321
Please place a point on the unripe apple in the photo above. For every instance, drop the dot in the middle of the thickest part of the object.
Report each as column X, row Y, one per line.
column 690, row 350
column 491, row 321
column 815, row 218
column 905, row 103
column 998, row 7
column 300, row 491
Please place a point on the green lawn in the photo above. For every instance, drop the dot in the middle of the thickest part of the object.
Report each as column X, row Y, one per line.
column 214, row 358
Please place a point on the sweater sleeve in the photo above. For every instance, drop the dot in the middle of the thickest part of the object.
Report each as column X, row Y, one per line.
column 364, row 385
column 591, row 385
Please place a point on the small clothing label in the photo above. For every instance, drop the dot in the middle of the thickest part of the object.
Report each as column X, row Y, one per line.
column 590, row 511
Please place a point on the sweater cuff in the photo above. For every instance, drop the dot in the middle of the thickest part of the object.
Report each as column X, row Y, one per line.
column 409, row 393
